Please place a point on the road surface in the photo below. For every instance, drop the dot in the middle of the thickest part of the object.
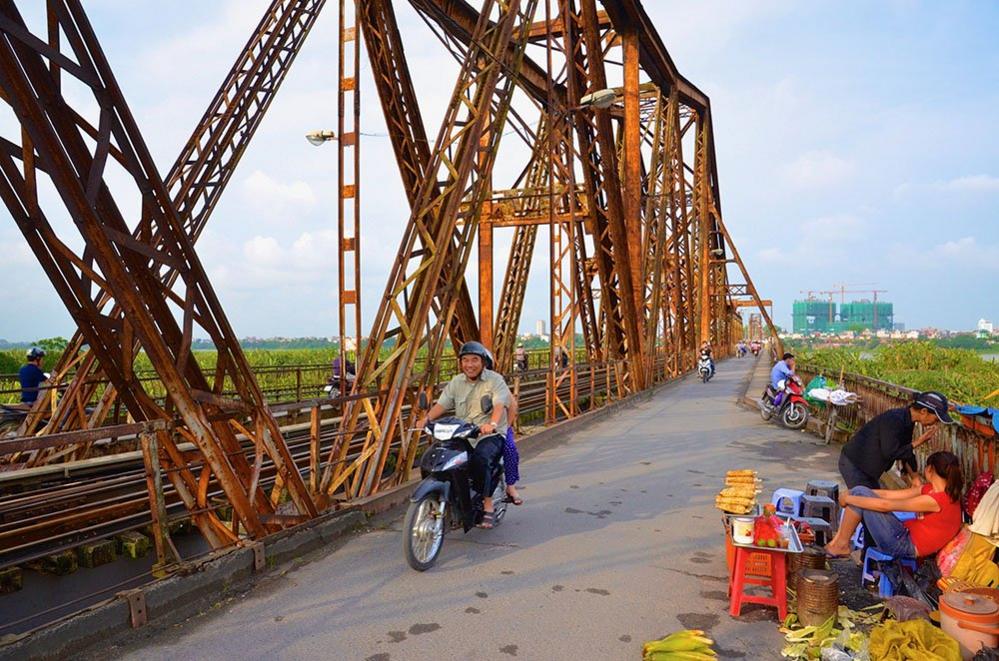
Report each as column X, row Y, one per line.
column 618, row 543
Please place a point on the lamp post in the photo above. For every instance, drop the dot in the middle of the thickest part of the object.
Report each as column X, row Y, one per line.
column 317, row 138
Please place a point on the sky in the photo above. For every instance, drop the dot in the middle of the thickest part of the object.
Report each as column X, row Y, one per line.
column 856, row 144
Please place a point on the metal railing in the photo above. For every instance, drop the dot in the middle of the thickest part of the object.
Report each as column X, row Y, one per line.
column 973, row 443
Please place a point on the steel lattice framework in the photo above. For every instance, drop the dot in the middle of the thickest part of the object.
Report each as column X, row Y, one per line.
column 624, row 192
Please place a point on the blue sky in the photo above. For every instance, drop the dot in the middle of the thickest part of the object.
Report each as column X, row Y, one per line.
column 856, row 143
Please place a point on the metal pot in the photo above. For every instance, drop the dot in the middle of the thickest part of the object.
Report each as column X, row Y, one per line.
column 970, row 619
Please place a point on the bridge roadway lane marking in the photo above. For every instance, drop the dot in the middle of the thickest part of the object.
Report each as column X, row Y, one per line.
column 618, row 543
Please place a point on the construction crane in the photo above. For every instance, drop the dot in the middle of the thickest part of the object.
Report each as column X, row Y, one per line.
column 843, row 291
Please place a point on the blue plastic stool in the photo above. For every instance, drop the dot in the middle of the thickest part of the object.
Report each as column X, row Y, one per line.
column 884, row 585
column 787, row 501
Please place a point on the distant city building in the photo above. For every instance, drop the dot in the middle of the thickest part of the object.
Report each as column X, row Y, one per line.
column 985, row 328
column 899, row 326
column 815, row 316
column 539, row 327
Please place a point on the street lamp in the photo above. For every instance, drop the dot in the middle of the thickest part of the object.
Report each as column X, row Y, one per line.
column 601, row 99
column 319, row 137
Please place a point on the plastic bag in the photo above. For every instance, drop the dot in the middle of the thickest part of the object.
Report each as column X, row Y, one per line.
column 976, row 491
column 904, row 582
column 948, row 556
column 907, row 608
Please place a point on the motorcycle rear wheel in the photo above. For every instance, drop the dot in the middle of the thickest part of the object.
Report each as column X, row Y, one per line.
column 422, row 533
column 794, row 415
column 766, row 411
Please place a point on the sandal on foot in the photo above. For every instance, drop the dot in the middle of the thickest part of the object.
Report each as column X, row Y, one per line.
column 516, row 501
column 487, row 520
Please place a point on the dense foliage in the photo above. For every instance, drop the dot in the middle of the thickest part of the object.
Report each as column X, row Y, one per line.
column 961, row 374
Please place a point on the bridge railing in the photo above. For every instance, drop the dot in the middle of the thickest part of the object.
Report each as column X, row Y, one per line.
column 974, row 443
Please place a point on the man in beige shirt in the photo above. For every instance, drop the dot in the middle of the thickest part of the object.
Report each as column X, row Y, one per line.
column 463, row 394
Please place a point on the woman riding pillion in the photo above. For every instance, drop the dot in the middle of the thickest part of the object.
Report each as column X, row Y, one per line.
column 463, row 395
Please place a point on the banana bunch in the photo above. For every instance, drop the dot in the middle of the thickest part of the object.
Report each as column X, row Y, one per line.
column 687, row 645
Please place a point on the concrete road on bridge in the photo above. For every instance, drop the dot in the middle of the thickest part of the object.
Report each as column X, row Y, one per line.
column 618, row 543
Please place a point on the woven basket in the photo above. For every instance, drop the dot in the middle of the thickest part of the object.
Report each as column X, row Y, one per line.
column 818, row 596
column 810, row 558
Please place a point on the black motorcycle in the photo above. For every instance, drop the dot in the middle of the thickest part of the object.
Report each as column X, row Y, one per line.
column 446, row 498
column 704, row 367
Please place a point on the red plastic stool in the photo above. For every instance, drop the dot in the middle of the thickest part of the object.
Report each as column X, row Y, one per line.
column 777, row 581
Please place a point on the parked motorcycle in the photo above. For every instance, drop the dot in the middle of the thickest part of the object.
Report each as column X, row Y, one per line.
column 704, row 367
column 787, row 403
column 446, row 498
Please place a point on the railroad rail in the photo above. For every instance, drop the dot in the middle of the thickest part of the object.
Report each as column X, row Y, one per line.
column 52, row 508
column 621, row 181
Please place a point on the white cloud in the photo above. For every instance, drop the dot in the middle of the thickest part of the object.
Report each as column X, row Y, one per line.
column 772, row 255
column 966, row 254
column 974, row 183
column 836, row 228
column 269, row 196
column 818, row 169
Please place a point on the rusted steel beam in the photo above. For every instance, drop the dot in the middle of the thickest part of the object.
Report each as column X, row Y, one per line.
column 460, row 19
column 540, row 30
column 455, row 176
column 196, row 180
column 628, row 311
column 406, row 130
column 130, row 266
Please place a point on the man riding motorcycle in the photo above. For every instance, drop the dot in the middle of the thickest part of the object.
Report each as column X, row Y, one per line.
column 783, row 370
column 463, row 395
column 706, row 351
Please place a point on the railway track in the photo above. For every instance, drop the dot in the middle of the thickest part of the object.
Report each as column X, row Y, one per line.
column 60, row 507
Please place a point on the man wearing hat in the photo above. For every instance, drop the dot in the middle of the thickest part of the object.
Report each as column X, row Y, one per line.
column 887, row 438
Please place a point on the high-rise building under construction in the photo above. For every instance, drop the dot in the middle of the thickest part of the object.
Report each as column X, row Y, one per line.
column 817, row 316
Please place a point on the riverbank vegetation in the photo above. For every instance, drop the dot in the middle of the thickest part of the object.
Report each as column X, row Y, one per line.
column 961, row 374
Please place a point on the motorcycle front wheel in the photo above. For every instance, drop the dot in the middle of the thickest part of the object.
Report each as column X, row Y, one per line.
column 423, row 532
column 704, row 376
column 794, row 415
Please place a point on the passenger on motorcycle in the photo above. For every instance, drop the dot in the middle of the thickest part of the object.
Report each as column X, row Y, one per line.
column 783, row 370
column 31, row 375
column 463, row 395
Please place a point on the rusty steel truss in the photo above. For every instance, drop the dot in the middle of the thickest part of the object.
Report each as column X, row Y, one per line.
column 620, row 181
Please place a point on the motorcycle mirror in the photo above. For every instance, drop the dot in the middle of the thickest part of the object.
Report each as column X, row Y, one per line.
column 421, row 401
column 487, row 404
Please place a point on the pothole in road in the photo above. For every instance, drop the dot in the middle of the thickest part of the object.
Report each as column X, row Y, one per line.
column 418, row 629
column 509, row 649
column 705, row 621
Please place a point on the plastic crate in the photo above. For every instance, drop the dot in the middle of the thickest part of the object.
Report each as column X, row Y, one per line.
column 757, row 564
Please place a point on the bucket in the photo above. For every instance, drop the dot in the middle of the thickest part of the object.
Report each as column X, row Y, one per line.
column 970, row 619
column 742, row 529
column 818, row 596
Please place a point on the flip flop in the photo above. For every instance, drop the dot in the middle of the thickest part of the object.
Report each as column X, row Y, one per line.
column 516, row 501
column 487, row 521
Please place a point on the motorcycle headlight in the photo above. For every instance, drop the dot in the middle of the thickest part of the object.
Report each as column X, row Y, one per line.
column 455, row 461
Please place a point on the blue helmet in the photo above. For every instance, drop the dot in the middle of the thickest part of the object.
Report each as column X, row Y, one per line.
column 34, row 353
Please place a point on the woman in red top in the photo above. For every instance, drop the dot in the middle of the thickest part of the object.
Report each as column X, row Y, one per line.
column 937, row 504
